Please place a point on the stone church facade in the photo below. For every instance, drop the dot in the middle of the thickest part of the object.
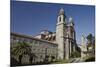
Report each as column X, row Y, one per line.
column 65, row 36
column 59, row 44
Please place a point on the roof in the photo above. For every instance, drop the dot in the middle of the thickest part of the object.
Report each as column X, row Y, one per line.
column 30, row 37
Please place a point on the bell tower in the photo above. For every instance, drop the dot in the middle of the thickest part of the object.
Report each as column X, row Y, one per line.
column 72, row 36
column 60, row 33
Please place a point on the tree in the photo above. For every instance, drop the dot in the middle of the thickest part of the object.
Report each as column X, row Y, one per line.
column 89, row 39
column 91, row 43
column 75, row 54
column 20, row 49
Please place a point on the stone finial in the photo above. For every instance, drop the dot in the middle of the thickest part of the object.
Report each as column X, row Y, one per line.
column 83, row 39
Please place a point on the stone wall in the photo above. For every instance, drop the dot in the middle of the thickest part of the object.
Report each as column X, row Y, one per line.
column 43, row 50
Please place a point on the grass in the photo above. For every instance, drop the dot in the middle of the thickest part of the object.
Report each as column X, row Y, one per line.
column 90, row 59
column 60, row 61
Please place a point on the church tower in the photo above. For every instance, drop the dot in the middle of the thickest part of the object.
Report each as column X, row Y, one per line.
column 72, row 36
column 71, row 30
column 60, row 33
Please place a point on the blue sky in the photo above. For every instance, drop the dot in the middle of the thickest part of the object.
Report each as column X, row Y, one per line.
column 31, row 17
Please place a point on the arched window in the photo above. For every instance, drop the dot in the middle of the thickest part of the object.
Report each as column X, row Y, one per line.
column 64, row 19
column 59, row 19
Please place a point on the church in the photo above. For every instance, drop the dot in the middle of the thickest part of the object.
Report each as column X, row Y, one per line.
column 64, row 36
column 59, row 44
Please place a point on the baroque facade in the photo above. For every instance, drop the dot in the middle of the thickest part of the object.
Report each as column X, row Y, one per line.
column 59, row 44
column 65, row 36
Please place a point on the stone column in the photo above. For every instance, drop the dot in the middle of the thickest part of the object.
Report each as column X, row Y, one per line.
column 67, row 45
column 70, row 47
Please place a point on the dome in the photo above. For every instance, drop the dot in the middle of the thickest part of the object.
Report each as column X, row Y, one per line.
column 70, row 19
column 61, row 11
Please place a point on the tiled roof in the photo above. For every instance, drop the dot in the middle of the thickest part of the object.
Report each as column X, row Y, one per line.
column 30, row 37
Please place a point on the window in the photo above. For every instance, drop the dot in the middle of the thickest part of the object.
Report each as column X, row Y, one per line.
column 59, row 19
column 64, row 19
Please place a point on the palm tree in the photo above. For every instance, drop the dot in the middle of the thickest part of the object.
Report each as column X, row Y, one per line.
column 20, row 49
